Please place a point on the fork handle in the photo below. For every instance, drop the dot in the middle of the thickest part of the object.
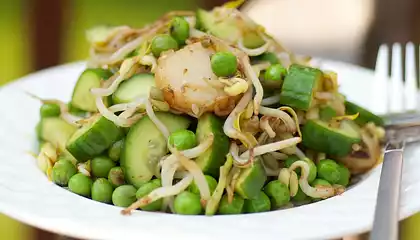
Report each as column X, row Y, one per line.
column 385, row 225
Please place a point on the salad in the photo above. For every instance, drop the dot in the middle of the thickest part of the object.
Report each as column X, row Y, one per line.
column 204, row 113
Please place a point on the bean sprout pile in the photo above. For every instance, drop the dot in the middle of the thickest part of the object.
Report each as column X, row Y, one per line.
column 244, row 78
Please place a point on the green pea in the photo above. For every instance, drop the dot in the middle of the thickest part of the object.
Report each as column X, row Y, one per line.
column 300, row 196
column 62, row 171
column 180, row 29
column 275, row 74
column 80, row 184
column 268, row 57
column 278, row 193
column 328, row 170
column 320, row 183
column 210, row 181
column 116, row 177
column 252, row 40
column 146, row 189
column 344, row 175
column 124, row 196
column 188, row 203
column 50, row 110
column 162, row 43
column 235, row 207
column 102, row 190
column 115, row 150
column 259, row 204
column 101, row 166
column 224, row 64
column 183, row 139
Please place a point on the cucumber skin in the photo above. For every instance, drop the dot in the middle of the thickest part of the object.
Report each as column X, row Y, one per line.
column 214, row 157
column 316, row 137
column 102, row 73
column 299, row 85
column 129, row 163
column 100, row 136
column 365, row 116
column 255, row 176
column 75, row 111
column 81, row 102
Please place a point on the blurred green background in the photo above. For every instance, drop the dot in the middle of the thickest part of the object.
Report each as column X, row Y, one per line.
column 15, row 23
column 14, row 60
column 17, row 56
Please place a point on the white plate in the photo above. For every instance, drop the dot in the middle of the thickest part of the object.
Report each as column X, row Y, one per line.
column 27, row 195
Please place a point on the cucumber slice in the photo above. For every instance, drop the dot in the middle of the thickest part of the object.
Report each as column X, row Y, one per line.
column 137, row 86
column 93, row 138
column 202, row 19
column 82, row 97
column 214, row 157
column 144, row 146
column 299, row 85
column 99, row 34
column 56, row 131
column 251, row 180
column 229, row 29
column 365, row 116
column 317, row 135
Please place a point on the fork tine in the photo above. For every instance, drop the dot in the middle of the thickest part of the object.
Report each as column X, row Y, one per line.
column 380, row 83
column 410, row 87
column 396, row 91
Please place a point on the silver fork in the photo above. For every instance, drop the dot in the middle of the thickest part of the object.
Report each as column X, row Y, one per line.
column 392, row 95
